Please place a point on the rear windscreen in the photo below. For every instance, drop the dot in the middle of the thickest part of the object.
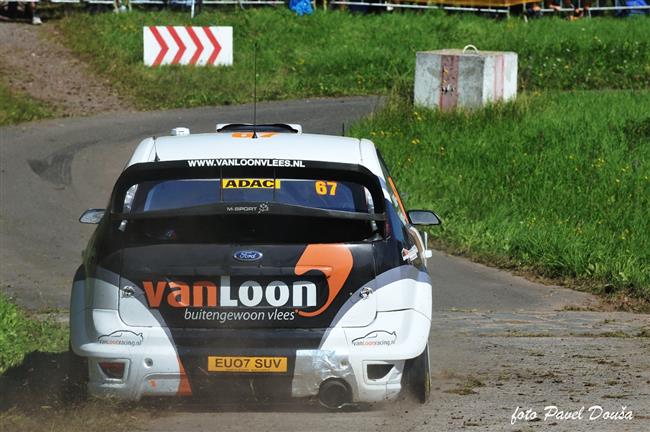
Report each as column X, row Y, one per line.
column 321, row 194
column 267, row 228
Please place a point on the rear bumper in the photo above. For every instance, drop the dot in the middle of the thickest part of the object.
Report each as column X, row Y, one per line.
column 158, row 363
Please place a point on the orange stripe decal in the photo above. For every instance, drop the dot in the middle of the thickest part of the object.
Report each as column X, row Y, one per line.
column 184, row 388
column 334, row 260
column 399, row 200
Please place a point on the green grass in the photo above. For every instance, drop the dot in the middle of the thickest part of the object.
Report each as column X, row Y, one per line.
column 34, row 395
column 99, row 415
column 18, row 107
column 20, row 335
column 333, row 53
column 558, row 182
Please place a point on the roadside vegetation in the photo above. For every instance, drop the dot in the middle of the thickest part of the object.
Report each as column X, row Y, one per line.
column 337, row 53
column 557, row 182
column 33, row 376
column 95, row 415
column 21, row 334
column 17, row 107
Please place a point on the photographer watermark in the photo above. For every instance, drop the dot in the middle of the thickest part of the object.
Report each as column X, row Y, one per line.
column 555, row 414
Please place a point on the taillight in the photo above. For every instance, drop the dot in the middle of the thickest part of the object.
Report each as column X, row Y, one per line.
column 113, row 370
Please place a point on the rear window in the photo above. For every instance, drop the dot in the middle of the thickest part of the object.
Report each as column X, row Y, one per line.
column 322, row 194
column 244, row 228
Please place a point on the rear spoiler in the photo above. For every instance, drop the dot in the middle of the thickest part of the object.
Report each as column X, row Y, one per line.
column 267, row 127
column 250, row 168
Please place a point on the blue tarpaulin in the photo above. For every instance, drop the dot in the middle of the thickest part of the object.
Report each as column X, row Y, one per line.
column 301, row 7
column 637, row 3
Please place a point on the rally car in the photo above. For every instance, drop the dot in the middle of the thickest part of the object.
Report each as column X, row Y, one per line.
column 255, row 260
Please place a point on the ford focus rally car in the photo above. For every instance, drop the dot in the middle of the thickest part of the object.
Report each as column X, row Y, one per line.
column 265, row 262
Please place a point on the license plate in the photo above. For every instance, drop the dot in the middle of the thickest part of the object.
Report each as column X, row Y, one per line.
column 247, row 364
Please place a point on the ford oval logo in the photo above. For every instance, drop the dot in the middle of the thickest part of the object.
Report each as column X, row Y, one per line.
column 247, row 255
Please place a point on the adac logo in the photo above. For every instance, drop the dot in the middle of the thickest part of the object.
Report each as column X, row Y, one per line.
column 251, row 184
column 335, row 261
column 248, row 255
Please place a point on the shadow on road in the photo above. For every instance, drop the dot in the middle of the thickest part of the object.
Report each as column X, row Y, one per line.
column 51, row 380
column 196, row 405
column 42, row 379
column 40, row 394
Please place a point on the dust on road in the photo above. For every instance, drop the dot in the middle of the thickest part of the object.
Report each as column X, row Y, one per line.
column 484, row 366
column 498, row 342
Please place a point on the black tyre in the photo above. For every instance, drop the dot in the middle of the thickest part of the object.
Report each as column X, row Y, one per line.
column 418, row 376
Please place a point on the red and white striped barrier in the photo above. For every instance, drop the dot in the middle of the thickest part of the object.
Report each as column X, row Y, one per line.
column 198, row 46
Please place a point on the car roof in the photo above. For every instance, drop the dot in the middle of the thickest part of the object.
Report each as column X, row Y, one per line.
column 326, row 148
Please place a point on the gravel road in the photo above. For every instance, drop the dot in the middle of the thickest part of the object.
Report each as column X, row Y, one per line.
column 32, row 61
column 498, row 341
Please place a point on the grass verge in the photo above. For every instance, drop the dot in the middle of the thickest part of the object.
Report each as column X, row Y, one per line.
column 33, row 377
column 97, row 415
column 336, row 53
column 17, row 107
column 556, row 182
column 20, row 335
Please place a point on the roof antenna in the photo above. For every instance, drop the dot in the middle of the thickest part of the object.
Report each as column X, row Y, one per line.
column 343, row 129
column 255, row 90
column 155, row 151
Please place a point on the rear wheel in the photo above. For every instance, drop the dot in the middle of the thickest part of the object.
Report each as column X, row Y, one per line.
column 418, row 376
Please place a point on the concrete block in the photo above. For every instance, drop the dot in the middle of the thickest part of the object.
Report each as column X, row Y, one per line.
column 453, row 78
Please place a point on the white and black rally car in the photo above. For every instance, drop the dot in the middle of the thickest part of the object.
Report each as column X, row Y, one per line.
column 254, row 260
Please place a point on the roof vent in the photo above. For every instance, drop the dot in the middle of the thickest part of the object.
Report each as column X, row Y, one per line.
column 267, row 127
column 180, row 131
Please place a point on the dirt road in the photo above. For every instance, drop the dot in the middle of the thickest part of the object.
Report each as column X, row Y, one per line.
column 485, row 366
column 498, row 342
column 32, row 61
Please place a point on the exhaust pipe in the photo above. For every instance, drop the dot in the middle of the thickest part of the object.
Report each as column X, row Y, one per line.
column 334, row 393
